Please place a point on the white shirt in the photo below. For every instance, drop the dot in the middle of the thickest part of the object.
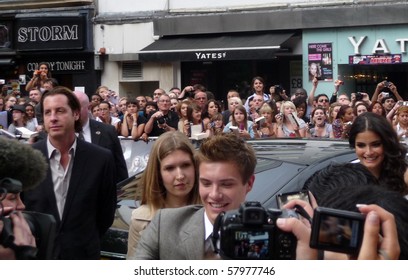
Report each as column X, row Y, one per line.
column 60, row 177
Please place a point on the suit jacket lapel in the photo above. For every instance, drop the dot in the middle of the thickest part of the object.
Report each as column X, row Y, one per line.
column 49, row 185
column 95, row 131
column 194, row 248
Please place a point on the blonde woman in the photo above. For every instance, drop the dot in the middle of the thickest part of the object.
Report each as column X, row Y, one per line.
column 267, row 129
column 288, row 124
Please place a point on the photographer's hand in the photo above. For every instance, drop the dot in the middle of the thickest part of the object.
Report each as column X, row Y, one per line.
column 5, row 253
column 21, row 230
column 376, row 246
column 301, row 228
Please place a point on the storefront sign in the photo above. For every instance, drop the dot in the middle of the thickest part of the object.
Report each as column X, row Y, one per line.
column 320, row 61
column 375, row 59
column 80, row 63
column 50, row 33
column 380, row 45
column 210, row 55
column 72, row 65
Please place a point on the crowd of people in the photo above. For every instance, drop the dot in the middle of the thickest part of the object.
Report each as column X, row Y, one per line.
column 273, row 113
column 185, row 190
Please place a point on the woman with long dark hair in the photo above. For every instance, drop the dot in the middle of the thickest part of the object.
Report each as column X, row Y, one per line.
column 39, row 76
column 378, row 148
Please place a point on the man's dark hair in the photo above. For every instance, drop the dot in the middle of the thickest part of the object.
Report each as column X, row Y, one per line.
column 229, row 148
column 52, row 81
column 337, row 175
column 346, row 197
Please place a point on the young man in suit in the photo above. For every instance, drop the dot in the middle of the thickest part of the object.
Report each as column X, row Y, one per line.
column 79, row 189
column 103, row 135
column 226, row 175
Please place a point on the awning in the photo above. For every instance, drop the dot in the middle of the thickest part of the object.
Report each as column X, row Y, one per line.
column 7, row 61
column 215, row 47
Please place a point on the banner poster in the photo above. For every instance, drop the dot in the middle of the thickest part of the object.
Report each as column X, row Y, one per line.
column 375, row 59
column 320, row 61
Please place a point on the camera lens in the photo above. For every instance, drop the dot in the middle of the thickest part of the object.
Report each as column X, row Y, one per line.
column 161, row 120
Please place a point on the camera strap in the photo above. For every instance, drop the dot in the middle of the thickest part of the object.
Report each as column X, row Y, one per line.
column 216, row 232
column 302, row 212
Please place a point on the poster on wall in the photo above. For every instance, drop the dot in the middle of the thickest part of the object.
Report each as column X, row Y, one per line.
column 320, row 61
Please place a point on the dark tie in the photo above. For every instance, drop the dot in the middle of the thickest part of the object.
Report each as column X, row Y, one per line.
column 81, row 136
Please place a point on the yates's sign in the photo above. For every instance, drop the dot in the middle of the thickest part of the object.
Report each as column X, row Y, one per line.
column 379, row 46
column 50, row 33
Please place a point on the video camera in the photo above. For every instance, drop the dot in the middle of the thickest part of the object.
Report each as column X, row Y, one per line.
column 42, row 226
column 251, row 233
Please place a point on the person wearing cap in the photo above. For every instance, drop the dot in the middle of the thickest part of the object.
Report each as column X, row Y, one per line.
column 19, row 119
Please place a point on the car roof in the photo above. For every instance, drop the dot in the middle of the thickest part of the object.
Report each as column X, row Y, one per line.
column 284, row 165
column 298, row 151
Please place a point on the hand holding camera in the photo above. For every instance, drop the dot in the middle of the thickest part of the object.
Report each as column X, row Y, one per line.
column 380, row 241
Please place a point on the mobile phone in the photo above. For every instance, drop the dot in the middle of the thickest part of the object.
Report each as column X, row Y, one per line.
column 337, row 230
column 235, row 130
column 283, row 198
column 293, row 120
column 403, row 103
column 386, row 83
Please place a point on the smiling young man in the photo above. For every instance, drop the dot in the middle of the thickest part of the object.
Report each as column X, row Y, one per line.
column 226, row 174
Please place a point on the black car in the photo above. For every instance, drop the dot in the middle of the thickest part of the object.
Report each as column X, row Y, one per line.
column 283, row 166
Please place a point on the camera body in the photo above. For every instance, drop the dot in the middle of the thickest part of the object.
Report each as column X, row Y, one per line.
column 43, row 226
column 161, row 120
column 359, row 96
column 283, row 198
column 251, row 233
column 337, row 230
column 279, row 89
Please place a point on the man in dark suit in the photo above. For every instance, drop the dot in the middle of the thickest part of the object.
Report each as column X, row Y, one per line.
column 103, row 135
column 79, row 189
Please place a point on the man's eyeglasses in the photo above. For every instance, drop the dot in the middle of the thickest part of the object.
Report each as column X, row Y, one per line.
column 164, row 101
column 323, row 100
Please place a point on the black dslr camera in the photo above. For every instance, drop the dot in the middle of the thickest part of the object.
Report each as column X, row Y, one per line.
column 161, row 120
column 251, row 233
column 42, row 226
column 359, row 96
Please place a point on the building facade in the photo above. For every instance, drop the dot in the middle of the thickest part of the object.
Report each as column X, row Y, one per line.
column 57, row 32
column 224, row 44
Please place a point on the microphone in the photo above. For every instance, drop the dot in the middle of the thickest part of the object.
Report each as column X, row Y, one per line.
column 21, row 162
